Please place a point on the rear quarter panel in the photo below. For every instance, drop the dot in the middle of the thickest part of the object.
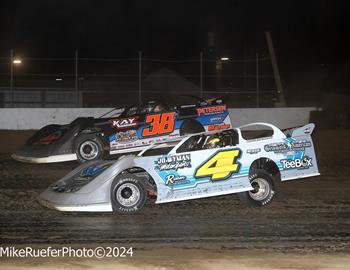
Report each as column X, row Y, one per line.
column 294, row 156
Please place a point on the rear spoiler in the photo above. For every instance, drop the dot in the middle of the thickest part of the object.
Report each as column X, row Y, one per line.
column 217, row 100
column 299, row 131
column 202, row 101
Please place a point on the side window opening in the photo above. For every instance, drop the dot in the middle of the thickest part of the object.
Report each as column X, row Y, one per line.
column 256, row 132
column 130, row 111
column 209, row 141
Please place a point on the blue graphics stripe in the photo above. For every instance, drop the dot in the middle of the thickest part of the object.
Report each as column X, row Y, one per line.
column 192, row 182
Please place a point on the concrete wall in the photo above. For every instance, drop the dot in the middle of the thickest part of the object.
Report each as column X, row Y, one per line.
column 280, row 117
column 35, row 118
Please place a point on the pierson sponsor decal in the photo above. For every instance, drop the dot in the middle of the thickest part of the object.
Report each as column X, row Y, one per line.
column 173, row 162
column 211, row 109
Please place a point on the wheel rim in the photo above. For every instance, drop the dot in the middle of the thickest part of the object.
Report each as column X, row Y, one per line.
column 128, row 194
column 261, row 190
column 89, row 150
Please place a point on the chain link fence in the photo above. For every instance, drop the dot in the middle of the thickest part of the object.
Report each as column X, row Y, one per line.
column 103, row 82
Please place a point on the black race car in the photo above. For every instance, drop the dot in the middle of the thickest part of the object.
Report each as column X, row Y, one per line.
column 135, row 128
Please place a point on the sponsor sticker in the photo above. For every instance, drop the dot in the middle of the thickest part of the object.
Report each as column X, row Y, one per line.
column 300, row 145
column 211, row 110
column 254, row 151
column 120, row 123
column 298, row 163
column 173, row 162
column 127, row 136
column 277, row 147
column 172, row 180
column 218, row 127
column 283, row 147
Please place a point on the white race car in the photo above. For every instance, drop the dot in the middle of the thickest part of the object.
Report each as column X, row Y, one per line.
column 248, row 160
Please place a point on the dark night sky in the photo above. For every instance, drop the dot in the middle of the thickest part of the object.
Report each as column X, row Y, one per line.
column 306, row 34
column 172, row 28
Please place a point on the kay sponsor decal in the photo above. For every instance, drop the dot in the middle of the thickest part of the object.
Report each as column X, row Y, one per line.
column 172, row 180
column 298, row 163
column 173, row 162
column 124, row 122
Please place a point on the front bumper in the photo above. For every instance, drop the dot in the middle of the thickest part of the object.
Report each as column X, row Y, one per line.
column 94, row 207
column 49, row 159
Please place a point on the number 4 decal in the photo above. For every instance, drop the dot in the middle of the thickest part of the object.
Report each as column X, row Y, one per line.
column 220, row 166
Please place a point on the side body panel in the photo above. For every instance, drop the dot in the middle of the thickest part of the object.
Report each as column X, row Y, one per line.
column 135, row 134
column 190, row 175
column 294, row 155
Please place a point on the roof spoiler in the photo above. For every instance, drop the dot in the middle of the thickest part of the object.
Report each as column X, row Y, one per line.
column 300, row 131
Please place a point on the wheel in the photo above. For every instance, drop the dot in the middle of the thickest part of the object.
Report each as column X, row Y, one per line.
column 128, row 193
column 263, row 192
column 89, row 147
column 191, row 126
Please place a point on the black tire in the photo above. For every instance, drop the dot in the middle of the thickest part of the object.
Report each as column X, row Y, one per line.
column 88, row 147
column 123, row 188
column 262, row 182
column 191, row 126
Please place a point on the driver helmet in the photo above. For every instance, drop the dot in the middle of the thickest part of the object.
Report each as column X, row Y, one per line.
column 159, row 108
column 213, row 142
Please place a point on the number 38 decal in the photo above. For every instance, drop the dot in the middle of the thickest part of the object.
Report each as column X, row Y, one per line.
column 220, row 166
column 159, row 124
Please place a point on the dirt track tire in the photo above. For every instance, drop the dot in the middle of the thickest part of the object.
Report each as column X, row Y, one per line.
column 264, row 189
column 88, row 147
column 128, row 194
column 191, row 126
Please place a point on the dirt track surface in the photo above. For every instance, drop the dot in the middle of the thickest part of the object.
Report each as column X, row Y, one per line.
column 310, row 215
column 194, row 259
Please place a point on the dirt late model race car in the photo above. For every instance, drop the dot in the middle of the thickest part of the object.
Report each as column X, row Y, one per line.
column 133, row 130
column 201, row 165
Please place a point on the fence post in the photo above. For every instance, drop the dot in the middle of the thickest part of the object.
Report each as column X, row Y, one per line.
column 140, row 77
column 257, row 81
column 43, row 98
column 11, row 78
column 276, row 73
column 201, row 73
column 76, row 80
